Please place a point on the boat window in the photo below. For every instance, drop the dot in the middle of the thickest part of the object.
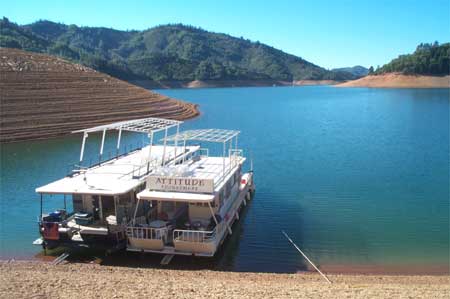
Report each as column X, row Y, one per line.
column 108, row 206
column 227, row 189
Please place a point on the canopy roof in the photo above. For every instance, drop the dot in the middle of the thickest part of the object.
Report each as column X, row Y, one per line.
column 211, row 135
column 143, row 125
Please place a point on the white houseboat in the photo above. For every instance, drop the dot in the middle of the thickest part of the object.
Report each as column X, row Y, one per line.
column 191, row 206
column 104, row 195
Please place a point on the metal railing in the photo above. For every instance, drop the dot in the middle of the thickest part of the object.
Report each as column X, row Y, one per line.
column 197, row 236
column 148, row 233
column 92, row 161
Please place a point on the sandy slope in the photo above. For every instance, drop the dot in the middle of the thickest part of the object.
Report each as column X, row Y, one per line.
column 396, row 80
column 43, row 96
column 42, row 280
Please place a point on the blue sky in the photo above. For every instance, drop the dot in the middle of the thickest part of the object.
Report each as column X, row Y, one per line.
column 328, row 33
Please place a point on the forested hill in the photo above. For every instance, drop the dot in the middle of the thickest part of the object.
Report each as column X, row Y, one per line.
column 428, row 59
column 170, row 52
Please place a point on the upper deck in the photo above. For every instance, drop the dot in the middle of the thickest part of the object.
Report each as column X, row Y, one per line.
column 200, row 178
column 118, row 176
column 122, row 173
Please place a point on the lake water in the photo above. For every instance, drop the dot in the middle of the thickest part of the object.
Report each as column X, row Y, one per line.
column 357, row 177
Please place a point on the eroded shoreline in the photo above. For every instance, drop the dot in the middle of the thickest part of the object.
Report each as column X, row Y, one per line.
column 45, row 96
column 396, row 80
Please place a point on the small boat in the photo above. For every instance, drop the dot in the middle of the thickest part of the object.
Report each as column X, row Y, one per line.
column 103, row 195
column 190, row 207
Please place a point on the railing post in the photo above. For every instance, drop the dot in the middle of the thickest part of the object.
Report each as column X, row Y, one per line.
column 102, row 145
column 85, row 135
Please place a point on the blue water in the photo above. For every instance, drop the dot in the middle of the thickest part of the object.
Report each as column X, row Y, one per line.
column 355, row 176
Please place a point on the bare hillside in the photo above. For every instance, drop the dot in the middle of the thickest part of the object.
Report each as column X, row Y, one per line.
column 44, row 96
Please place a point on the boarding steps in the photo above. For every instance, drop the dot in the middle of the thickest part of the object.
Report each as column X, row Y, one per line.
column 166, row 259
column 60, row 258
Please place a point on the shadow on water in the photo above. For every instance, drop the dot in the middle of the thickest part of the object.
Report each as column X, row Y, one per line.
column 224, row 260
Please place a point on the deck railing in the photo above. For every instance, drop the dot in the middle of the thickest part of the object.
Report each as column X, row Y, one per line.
column 147, row 233
column 197, row 236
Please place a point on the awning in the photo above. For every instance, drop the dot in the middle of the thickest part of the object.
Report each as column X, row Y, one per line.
column 175, row 196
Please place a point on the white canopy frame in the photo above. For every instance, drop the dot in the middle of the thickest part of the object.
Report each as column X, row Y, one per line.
column 148, row 126
column 209, row 135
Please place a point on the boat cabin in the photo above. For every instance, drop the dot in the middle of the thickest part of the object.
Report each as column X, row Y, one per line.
column 190, row 206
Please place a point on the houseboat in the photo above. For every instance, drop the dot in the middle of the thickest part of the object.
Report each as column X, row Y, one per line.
column 189, row 207
column 104, row 195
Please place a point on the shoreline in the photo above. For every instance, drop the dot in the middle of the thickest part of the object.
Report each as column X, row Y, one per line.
column 191, row 264
column 397, row 80
column 148, row 84
column 34, row 279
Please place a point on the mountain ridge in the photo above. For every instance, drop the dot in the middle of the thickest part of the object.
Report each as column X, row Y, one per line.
column 173, row 52
column 358, row 70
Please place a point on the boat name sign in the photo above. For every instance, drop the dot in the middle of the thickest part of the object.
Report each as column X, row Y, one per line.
column 180, row 184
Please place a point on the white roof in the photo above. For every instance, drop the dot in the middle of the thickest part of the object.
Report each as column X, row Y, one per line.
column 211, row 135
column 116, row 176
column 175, row 196
column 143, row 125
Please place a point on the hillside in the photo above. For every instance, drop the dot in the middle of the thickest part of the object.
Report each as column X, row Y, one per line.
column 427, row 67
column 428, row 59
column 43, row 96
column 164, row 53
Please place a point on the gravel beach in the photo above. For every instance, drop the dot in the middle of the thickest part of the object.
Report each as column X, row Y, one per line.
column 27, row 279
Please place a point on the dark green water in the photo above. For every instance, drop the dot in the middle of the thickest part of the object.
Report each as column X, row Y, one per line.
column 357, row 177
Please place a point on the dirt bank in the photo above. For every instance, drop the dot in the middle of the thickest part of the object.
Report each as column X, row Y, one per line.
column 44, row 96
column 227, row 83
column 42, row 280
column 395, row 80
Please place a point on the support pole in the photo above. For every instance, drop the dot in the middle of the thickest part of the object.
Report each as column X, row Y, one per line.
column 229, row 154
column 135, row 211
column 102, row 145
column 118, row 141
column 184, row 149
column 100, row 206
column 40, row 219
column 212, row 213
column 85, row 135
column 304, row 255
column 150, row 152
column 176, row 139
column 115, row 208
column 164, row 148
column 223, row 161
column 65, row 204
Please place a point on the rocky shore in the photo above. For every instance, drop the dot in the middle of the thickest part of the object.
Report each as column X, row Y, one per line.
column 44, row 96
column 20, row 279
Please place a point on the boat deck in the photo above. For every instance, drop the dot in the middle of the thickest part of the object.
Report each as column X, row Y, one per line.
column 116, row 176
column 212, row 168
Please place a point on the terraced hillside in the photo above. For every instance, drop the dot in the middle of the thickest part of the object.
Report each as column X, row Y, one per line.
column 43, row 96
